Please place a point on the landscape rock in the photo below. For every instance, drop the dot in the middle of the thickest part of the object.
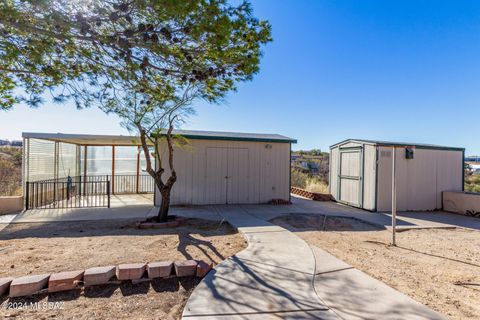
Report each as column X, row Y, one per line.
column 130, row 271
column 63, row 281
column 4, row 285
column 98, row 275
column 203, row 268
column 185, row 268
column 160, row 269
column 28, row 285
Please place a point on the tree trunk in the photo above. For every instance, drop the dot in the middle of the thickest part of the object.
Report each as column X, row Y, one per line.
column 165, row 205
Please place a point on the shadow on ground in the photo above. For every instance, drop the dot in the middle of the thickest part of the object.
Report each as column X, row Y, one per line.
column 105, row 291
column 296, row 222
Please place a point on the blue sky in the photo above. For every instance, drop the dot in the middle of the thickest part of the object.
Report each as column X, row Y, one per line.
column 387, row 70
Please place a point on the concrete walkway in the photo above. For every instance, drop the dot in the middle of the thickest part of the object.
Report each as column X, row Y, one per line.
column 140, row 207
column 405, row 220
column 280, row 277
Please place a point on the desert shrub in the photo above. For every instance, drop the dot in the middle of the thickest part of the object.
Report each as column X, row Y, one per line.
column 299, row 179
column 10, row 171
column 472, row 183
column 316, row 185
column 312, row 183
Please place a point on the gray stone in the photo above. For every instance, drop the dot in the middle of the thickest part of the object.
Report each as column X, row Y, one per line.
column 28, row 285
column 160, row 269
column 98, row 275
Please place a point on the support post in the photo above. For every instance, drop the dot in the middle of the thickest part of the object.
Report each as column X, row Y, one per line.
column 24, row 167
column 85, row 157
column 27, row 195
column 113, row 169
column 138, row 169
column 394, row 199
column 108, row 193
column 55, row 160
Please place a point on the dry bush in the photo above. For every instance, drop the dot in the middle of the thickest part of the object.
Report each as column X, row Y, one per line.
column 472, row 183
column 10, row 171
column 308, row 182
column 316, row 185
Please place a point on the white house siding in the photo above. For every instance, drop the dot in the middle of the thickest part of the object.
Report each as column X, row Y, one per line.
column 420, row 181
column 257, row 172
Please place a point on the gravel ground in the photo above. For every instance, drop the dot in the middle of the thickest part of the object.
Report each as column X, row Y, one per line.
column 36, row 248
column 437, row 267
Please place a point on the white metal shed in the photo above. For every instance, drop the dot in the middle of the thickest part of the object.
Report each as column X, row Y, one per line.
column 227, row 167
column 361, row 174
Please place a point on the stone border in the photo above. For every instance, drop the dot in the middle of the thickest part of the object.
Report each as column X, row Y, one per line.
column 312, row 195
column 71, row 280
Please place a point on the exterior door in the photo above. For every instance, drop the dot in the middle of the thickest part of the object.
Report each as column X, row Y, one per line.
column 216, row 175
column 237, row 175
column 226, row 175
column 350, row 177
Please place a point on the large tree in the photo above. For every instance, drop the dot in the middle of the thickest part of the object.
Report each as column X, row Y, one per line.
column 143, row 60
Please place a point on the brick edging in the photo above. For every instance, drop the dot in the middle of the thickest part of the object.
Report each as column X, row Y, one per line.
column 311, row 195
column 71, row 280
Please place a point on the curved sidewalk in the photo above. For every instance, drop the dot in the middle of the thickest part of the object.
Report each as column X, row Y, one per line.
column 281, row 276
column 273, row 276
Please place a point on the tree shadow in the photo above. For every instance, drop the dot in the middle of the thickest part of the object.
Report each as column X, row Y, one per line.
column 81, row 229
column 100, row 291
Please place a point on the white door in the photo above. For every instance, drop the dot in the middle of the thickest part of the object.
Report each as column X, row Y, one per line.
column 226, row 179
column 216, row 176
column 237, row 175
column 350, row 177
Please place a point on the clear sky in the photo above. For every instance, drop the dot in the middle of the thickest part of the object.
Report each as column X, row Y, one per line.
column 405, row 70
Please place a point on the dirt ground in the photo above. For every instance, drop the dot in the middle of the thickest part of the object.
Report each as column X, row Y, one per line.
column 437, row 267
column 36, row 248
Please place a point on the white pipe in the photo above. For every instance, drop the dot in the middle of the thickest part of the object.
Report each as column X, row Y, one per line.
column 394, row 199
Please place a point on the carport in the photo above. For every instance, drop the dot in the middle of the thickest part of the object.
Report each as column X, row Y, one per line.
column 77, row 170
column 81, row 170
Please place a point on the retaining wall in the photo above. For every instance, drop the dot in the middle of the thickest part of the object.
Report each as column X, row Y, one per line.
column 11, row 204
column 466, row 203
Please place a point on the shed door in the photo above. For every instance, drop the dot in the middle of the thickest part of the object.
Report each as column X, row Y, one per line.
column 226, row 173
column 215, row 175
column 237, row 176
column 350, row 177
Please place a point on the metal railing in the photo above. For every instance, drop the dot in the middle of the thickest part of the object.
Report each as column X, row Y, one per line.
column 83, row 191
column 73, row 192
column 125, row 184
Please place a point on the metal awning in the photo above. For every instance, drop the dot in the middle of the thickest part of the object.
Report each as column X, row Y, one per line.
column 120, row 140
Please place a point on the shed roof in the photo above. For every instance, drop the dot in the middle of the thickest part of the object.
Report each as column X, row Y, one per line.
column 399, row 144
column 121, row 140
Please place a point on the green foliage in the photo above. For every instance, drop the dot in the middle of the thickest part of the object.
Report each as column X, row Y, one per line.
column 145, row 61
column 100, row 52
